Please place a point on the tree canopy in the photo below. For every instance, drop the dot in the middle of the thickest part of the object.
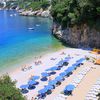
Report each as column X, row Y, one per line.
column 8, row 90
column 33, row 4
column 70, row 12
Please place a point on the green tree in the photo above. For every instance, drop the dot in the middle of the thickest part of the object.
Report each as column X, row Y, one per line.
column 71, row 12
column 8, row 90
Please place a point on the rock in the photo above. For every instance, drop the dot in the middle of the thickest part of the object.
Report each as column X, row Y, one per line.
column 36, row 13
column 78, row 36
column 45, row 13
column 59, row 34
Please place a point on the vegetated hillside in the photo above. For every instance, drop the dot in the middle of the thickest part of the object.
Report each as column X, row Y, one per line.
column 77, row 22
column 27, row 4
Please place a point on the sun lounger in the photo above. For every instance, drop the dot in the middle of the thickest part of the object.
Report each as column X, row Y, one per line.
column 92, row 94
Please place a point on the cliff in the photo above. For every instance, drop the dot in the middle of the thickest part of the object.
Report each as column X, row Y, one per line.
column 77, row 36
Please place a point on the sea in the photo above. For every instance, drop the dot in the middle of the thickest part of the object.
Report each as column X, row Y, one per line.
column 22, row 38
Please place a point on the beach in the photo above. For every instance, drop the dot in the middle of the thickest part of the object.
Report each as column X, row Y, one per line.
column 50, row 60
column 49, row 50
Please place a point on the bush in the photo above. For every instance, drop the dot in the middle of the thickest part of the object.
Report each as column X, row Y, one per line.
column 8, row 90
column 76, row 11
column 35, row 5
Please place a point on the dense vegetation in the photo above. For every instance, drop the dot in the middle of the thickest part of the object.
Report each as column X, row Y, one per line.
column 28, row 4
column 33, row 4
column 8, row 90
column 71, row 12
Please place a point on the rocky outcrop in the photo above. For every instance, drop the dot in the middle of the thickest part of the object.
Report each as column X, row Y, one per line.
column 40, row 12
column 78, row 36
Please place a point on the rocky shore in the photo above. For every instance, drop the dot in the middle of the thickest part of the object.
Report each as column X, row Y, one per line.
column 77, row 36
column 41, row 12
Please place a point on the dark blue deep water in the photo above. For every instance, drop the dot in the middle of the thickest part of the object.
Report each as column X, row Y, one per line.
column 19, row 44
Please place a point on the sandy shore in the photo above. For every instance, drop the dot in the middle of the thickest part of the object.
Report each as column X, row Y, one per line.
column 23, row 77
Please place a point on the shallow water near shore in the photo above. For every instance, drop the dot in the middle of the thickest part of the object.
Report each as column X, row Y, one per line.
column 18, row 44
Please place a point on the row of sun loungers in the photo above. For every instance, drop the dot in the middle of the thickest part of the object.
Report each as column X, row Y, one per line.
column 80, row 76
column 94, row 91
column 75, row 82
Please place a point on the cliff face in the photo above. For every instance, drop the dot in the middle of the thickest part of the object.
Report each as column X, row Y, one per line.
column 78, row 36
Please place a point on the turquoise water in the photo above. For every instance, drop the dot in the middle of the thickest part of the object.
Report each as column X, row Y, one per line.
column 18, row 44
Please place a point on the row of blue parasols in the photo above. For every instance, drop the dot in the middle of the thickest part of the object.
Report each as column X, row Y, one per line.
column 58, row 78
column 44, row 74
column 31, row 82
column 61, row 76
column 59, row 64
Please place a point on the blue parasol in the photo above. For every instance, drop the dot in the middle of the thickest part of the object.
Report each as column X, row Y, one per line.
column 53, row 68
column 42, row 91
column 69, row 87
column 67, row 58
column 24, row 86
column 59, row 78
column 48, row 69
column 60, row 62
column 35, row 77
column 75, row 64
column 70, row 69
column 44, row 74
column 63, row 74
column 32, row 82
column 80, row 60
column 49, row 87
column 52, row 82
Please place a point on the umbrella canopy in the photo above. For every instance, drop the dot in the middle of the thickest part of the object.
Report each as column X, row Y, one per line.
column 70, row 69
column 35, row 77
column 65, row 60
column 53, row 68
column 42, row 91
column 69, row 87
column 48, row 69
column 75, row 64
column 24, row 86
column 63, row 74
column 32, row 82
column 80, row 60
column 44, row 74
column 52, row 82
column 60, row 62
column 49, row 87
column 68, row 58
column 59, row 78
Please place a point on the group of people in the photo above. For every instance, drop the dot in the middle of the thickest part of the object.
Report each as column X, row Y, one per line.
column 38, row 62
column 25, row 68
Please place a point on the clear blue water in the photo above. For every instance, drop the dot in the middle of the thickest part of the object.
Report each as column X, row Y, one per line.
column 18, row 44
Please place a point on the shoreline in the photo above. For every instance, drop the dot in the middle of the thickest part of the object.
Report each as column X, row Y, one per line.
column 26, row 61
